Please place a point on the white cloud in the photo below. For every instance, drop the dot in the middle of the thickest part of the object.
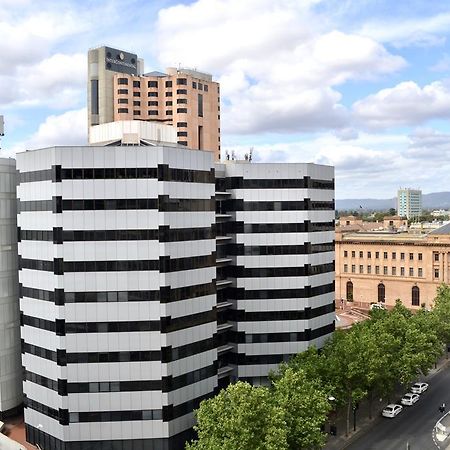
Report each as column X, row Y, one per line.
column 422, row 31
column 443, row 65
column 277, row 64
column 404, row 104
column 58, row 81
column 69, row 128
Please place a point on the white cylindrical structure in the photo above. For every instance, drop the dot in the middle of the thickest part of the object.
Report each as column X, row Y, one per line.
column 10, row 353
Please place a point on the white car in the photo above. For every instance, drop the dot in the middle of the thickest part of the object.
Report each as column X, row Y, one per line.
column 418, row 388
column 377, row 306
column 391, row 410
column 409, row 399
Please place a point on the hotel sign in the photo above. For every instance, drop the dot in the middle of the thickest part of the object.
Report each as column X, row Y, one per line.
column 120, row 61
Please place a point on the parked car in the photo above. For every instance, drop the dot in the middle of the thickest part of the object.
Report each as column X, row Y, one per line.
column 418, row 388
column 377, row 306
column 392, row 410
column 409, row 399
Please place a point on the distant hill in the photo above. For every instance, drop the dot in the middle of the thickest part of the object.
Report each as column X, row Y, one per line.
column 435, row 200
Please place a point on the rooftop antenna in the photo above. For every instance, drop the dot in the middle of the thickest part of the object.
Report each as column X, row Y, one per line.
column 233, row 155
column 250, row 155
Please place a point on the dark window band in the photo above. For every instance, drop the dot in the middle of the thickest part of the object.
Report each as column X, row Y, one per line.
column 164, row 234
column 36, row 322
column 169, row 325
column 305, row 205
column 114, row 386
column 174, row 354
column 112, row 327
column 302, row 227
column 167, row 204
column 43, row 409
column 41, row 380
column 183, row 293
column 191, row 377
column 266, row 294
column 115, row 416
column 268, row 316
column 162, row 173
column 262, row 250
column 246, row 338
column 262, row 272
column 224, row 184
column 111, row 296
column 112, row 357
column 39, row 351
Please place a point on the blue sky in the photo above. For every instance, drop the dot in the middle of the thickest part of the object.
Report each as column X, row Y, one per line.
column 363, row 85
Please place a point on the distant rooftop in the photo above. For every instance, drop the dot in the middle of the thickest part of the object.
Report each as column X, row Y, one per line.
column 445, row 229
column 155, row 73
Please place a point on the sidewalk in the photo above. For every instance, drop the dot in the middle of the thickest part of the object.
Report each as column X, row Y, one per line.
column 363, row 423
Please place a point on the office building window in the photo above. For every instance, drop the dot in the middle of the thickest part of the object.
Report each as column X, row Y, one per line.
column 136, row 113
column 168, row 93
column 122, row 110
column 353, row 268
column 345, row 267
column 377, row 270
column 181, row 101
column 402, row 271
column 436, row 256
column 153, row 94
column 402, row 256
column 420, row 272
column 123, row 101
column 394, row 255
column 153, row 113
column 360, row 254
column 436, row 273
column 377, row 255
column 136, row 84
column 369, row 255
column 345, row 253
column 411, row 256
column 169, row 103
column 381, row 293
column 411, row 271
column 385, row 255
column 194, row 85
column 415, row 296
column 353, row 254
column 200, row 86
column 361, row 268
column 385, row 270
column 182, row 133
column 205, row 87
column 122, row 91
column 181, row 81
column 394, row 271
column 168, row 84
column 152, row 103
column 136, row 103
column 419, row 256
column 136, row 94
column 169, row 112
column 122, row 81
column 152, row 84
column 369, row 269
column 182, row 110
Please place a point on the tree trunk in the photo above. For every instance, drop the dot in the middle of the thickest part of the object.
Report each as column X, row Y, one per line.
column 349, row 412
column 370, row 403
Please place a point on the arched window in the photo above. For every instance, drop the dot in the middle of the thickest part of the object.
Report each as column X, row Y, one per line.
column 349, row 293
column 381, row 293
column 415, row 296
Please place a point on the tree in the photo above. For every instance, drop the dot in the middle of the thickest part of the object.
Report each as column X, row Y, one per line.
column 304, row 406
column 238, row 418
column 441, row 313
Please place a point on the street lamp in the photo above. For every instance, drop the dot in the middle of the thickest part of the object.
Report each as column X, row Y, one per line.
column 333, row 430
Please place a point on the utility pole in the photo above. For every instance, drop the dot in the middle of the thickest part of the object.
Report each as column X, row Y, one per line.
column 2, row 127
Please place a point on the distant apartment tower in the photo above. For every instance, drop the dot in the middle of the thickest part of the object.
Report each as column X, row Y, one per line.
column 409, row 203
column 10, row 364
column 186, row 99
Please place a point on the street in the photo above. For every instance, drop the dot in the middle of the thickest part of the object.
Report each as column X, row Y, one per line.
column 414, row 425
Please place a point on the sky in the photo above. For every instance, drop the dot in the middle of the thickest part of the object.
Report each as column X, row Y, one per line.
column 363, row 85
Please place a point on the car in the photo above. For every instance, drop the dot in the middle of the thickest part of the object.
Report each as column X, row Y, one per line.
column 377, row 306
column 418, row 388
column 409, row 399
column 392, row 410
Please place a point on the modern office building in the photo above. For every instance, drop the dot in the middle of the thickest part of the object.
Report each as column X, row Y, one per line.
column 10, row 363
column 275, row 263
column 385, row 266
column 409, row 203
column 187, row 99
column 149, row 278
